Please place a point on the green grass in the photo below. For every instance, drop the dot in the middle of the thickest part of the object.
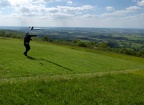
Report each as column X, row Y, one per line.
column 50, row 59
column 66, row 75
column 125, row 89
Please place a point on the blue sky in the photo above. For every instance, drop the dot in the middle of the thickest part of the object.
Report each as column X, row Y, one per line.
column 73, row 13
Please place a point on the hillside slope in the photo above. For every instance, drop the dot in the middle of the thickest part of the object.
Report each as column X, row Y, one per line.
column 65, row 75
column 49, row 59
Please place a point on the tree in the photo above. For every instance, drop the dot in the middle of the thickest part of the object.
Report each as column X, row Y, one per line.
column 2, row 33
column 45, row 38
column 82, row 44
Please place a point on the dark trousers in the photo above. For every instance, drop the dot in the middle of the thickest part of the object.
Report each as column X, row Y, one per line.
column 27, row 46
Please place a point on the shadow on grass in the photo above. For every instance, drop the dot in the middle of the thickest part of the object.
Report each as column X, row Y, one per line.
column 56, row 64
column 31, row 58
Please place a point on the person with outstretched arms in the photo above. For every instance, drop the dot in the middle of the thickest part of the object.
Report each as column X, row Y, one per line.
column 27, row 39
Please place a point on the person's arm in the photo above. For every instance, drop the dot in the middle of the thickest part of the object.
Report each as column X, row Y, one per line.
column 33, row 35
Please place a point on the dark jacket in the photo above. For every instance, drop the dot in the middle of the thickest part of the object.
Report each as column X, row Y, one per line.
column 27, row 38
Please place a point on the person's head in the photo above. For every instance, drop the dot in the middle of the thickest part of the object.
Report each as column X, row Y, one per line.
column 27, row 33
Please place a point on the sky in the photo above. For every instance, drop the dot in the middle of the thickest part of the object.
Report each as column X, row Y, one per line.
column 73, row 13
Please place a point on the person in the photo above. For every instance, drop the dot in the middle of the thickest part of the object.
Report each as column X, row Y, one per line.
column 27, row 39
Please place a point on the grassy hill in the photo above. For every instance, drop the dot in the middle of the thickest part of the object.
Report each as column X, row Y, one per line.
column 61, row 75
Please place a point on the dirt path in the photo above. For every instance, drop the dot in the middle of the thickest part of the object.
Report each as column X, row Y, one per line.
column 66, row 76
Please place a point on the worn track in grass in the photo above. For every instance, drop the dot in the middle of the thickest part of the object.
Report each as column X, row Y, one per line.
column 67, row 76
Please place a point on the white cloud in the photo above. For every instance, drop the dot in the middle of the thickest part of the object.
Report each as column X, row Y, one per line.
column 141, row 3
column 39, row 7
column 42, row 10
column 4, row 3
column 69, row 9
column 87, row 20
column 122, row 12
column 110, row 8
column 69, row 2
column 41, row 13
column 132, row 8
column 18, row 2
column 117, row 22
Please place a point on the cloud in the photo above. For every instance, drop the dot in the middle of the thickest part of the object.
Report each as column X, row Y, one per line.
column 69, row 2
column 4, row 3
column 132, row 8
column 40, row 8
column 110, row 8
column 122, row 12
column 53, row 11
column 132, row 21
column 74, row 9
column 141, row 3
column 60, row 12
column 68, row 13
column 19, row 3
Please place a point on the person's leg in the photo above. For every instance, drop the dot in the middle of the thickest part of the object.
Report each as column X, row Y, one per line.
column 27, row 46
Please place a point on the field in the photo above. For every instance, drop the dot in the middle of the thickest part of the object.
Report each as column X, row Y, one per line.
column 67, row 75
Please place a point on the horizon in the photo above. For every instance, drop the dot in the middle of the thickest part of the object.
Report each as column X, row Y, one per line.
column 68, row 27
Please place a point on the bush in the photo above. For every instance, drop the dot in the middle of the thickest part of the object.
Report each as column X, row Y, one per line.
column 82, row 44
column 45, row 38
